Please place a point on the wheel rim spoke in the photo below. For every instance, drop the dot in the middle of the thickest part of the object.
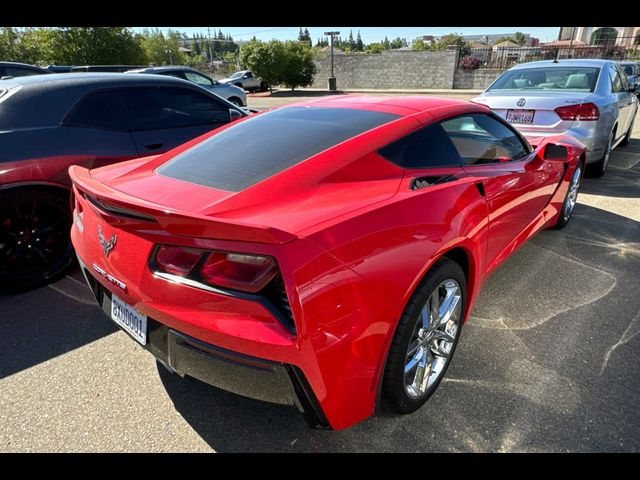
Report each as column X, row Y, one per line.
column 433, row 338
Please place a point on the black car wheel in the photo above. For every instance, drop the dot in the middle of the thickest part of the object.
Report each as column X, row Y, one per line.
column 426, row 338
column 627, row 137
column 236, row 101
column 598, row 168
column 35, row 247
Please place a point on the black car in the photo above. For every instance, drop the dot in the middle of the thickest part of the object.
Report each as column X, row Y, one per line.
column 50, row 122
column 13, row 69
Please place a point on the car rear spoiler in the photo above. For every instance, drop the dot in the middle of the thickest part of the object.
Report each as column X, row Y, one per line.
column 173, row 221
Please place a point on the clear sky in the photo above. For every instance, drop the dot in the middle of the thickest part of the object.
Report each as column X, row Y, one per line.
column 369, row 34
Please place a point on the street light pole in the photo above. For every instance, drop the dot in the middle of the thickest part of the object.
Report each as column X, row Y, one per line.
column 332, row 78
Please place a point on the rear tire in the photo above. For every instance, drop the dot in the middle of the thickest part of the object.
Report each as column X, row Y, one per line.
column 236, row 101
column 570, row 198
column 597, row 169
column 424, row 342
column 627, row 137
column 35, row 247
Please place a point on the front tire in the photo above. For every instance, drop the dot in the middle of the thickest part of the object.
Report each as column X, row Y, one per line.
column 35, row 247
column 236, row 101
column 426, row 338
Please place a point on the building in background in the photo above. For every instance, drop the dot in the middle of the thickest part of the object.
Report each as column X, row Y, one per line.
column 484, row 41
column 620, row 36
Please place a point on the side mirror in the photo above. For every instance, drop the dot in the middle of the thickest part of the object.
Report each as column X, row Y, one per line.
column 633, row 88
column 234, row 115
column 555, row 153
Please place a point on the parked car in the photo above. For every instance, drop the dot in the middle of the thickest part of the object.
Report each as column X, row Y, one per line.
column 590, row 100
column 104, row 68
column 49, row 122
column 13, row 69
column 59, row 68
column 247, row 80
column 632, row 71
column 331, row 255
column 232, row 93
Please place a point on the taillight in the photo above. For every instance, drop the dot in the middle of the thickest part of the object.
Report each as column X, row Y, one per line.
column 249, row 273
column 177, row 260
column 236, row 271
column 77, row 212
column 579, row 112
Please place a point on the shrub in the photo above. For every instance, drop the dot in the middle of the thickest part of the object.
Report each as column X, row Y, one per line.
column 470, row 62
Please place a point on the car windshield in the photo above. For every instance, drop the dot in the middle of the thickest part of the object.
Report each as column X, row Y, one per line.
column 575, row 79
column 237, row 75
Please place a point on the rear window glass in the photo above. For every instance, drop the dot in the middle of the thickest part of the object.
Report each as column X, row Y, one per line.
column 260, row 147
column 580, row 79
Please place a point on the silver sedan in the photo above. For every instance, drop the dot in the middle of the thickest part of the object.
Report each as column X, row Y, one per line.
column 588, row 99
column 235, row 95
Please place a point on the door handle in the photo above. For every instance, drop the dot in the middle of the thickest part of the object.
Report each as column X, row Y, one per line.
column 153, row 146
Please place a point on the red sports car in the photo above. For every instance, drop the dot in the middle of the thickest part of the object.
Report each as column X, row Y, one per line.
column 323, row 254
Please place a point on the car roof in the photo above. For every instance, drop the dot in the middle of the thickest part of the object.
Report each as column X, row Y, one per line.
column 574, row 62
column 18, row 64
column 168, row 68
column 85, row 78
column 402, row 105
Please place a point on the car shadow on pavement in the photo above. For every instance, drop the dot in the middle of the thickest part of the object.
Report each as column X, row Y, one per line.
column 41, row 324
column 532, row 372
column 622, row 178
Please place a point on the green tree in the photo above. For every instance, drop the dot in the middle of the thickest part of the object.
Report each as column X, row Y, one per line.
column 452, row 40
column 279, row 63
column 359, row 44
column 375, row 48
column 419, row 45
column 298, row 68
column 519, row 38
column 162, row 49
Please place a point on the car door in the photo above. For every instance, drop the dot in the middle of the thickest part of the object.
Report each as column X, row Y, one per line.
column 161, row 118
column 517, row 184
column 94, row 131
column 623, row 100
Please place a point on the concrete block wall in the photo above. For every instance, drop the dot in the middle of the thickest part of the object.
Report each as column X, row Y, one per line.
column 477, row 79
column 389, row 70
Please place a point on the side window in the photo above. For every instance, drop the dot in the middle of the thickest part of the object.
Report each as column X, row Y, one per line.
column 97, row 110
column 616, row 83
column 623, row 79
column 159, row 108
column 173, row 74
column 480, row 139
column 21, row 72
column 427, row 147
column 197, row 78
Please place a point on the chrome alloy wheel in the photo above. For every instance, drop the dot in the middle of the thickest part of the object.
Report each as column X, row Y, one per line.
column 433, row 338
column 572, row 194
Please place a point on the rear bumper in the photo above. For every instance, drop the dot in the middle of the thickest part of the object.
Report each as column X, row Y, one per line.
column 592, row 135
column 245, row 375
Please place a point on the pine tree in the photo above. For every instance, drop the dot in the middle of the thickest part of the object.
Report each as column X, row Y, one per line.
column 300, row 35
column 352, row 42
column 359, row 43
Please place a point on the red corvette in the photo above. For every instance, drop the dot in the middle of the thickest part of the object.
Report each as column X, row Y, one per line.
column 323, row 254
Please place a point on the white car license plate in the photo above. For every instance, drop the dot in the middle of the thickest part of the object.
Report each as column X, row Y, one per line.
column 129, row 319
column 520, row 116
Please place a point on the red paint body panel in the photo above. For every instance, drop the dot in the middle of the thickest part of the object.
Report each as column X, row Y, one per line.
column 351, row 239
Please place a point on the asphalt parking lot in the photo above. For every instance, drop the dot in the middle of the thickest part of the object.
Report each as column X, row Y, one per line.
column 548, row 361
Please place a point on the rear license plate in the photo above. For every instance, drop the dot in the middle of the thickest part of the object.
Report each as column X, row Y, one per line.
column 130, row 319
column 520, row 116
